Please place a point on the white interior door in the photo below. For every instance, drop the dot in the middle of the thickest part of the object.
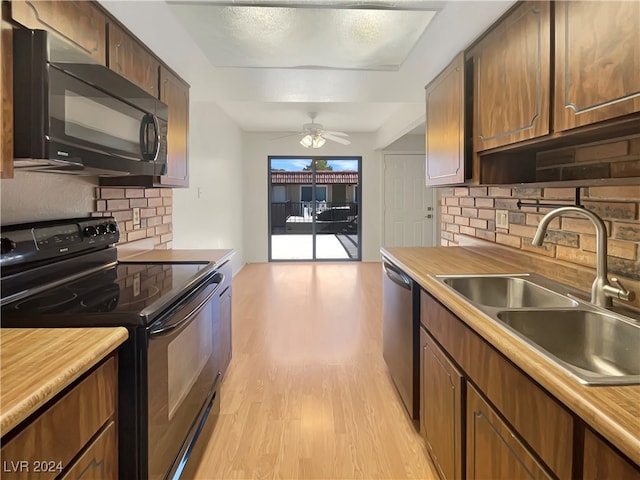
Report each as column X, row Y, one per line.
column 409, row 210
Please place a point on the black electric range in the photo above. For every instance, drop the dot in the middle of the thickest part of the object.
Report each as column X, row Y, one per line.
column 62, row 274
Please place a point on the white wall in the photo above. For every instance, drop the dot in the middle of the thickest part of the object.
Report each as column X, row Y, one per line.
column 208, row 214
column 32, row 196
column 259, row 146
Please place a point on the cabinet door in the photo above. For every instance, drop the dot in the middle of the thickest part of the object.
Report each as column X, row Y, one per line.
column 175, row 94
column 78, row 22
column 597, row 73
column 445, row 122
column 131, row 60
column 493, row 451
column 100, row 459
column 602, row 462
column 225, row 330
column 6, row 107
column 441, row 408
column 512, row 78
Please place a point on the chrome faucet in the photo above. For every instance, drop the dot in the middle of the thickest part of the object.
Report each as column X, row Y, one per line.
column 602, row 291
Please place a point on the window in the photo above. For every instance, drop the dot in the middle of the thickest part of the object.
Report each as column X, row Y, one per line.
column 306, row 193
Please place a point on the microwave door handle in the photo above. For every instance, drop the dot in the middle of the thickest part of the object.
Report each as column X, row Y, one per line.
column 156, row 138
column 165, row 328
column 144, row 143
column 149, row 121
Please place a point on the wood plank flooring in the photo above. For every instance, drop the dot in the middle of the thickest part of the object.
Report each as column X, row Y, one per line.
column 307, row 394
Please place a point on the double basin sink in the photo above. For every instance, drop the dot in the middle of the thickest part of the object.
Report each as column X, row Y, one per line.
column 596, row 346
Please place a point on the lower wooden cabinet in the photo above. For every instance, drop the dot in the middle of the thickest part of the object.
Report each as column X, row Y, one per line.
column 73, row 438
column 225, row 318
column 483, row 418
column 99, row 461
column 493, row 449
column 603, row 462
column 441, row 393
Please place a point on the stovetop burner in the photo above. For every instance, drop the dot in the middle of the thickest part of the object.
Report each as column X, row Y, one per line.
column 127, row 290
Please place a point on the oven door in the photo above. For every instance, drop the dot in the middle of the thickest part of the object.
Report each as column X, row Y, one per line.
column 182, row 376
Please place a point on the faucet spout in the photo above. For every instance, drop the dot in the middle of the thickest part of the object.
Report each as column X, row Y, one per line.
column 601, row 290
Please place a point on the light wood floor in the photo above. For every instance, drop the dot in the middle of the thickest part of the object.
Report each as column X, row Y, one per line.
column 307, row 395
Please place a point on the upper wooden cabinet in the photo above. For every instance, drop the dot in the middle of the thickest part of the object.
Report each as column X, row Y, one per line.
column 445, row 126
column 512, row 78
column 6, row 100
column 78, row 22
column 597, row 62
column 175, row 93
column 131, row 60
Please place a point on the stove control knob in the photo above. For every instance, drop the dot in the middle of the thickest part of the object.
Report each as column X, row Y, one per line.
column 102, row 229
column 89, row 231
column 7, row 245
column 113, row 228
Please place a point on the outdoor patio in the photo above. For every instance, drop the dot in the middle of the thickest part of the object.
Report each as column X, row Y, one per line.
column 300, row 247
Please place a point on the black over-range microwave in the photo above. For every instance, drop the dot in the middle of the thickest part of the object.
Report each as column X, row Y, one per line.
column 73, row 115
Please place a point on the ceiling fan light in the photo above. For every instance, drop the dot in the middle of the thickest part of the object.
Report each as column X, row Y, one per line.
column 306, row 141
column 318, row 141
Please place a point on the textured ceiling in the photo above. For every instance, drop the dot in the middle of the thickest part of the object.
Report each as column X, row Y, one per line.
column 277, row 37
column 351, row 98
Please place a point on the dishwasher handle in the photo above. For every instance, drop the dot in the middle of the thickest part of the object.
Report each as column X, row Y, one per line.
column 396, row 275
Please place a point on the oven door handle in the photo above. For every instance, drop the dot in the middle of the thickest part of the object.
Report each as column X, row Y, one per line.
column 165, row 328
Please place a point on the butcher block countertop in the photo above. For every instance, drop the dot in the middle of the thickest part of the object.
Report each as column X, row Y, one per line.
column 216, row 256
column 613, row 411
column 38, row 363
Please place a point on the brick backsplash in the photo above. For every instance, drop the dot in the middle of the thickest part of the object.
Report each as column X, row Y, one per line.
column 471, row 211
column 155, row 206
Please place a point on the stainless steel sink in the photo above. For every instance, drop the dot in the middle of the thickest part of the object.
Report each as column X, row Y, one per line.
column 597, row 347
column 506, row 291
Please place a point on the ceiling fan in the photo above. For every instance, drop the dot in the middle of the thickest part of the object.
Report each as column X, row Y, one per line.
column 313, row 135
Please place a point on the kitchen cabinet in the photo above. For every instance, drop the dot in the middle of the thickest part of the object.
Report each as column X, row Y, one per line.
column 597, row 62
column 536, row 418
column 511, row 82
column 225, row 318
column 602, row 462
column 6, row 107
column 441, row 393
column 132, row 60
column 80, row 425
column 175, row 93
column 445, row 134
column 493, row 449
column 81, row 23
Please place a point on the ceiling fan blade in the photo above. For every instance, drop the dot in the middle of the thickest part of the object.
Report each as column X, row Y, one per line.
column 287, row 135
column 337, row 134
column 331, row 136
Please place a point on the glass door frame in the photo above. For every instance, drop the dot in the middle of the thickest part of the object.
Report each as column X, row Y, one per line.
column 358, row 200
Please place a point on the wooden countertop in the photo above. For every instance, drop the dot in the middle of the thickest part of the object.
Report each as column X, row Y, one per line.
column 215, row 256
column 613, row 411
column 38, row 363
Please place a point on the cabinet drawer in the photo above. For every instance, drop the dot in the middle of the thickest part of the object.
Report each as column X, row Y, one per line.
column 522, row 403
column 99, row 461
column 61, row 431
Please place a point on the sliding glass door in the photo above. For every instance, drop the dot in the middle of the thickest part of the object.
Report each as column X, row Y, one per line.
column 314, row 208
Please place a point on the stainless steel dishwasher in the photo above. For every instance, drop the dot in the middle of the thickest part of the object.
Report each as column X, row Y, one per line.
column 400, row 339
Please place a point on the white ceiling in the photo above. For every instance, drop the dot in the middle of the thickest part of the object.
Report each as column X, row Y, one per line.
column 189, row 37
